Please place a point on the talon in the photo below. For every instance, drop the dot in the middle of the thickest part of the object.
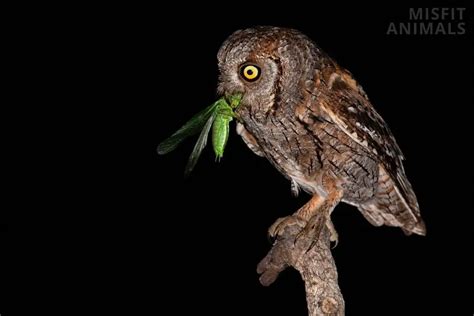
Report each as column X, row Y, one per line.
column 279, row 226
column 311, row 231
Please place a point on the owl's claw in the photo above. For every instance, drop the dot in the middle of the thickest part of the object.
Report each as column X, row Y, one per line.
column 309, row 230
column 278, row 227
column 313, row 228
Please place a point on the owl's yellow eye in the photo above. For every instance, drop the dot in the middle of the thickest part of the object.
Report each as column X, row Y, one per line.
column 250, row 72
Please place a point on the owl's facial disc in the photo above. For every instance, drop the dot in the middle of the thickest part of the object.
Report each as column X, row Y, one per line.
column 255, row 77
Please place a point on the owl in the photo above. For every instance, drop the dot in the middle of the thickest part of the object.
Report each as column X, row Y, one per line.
column 315, row 124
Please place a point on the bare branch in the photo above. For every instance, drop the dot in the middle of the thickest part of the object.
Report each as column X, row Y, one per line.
column 316, row 266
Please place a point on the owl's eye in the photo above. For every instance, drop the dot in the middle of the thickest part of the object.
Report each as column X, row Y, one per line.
column 250, row 72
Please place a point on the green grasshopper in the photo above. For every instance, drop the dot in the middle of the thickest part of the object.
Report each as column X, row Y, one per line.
column 218, row 116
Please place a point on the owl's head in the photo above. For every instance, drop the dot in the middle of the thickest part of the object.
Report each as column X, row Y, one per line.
column 268, row 65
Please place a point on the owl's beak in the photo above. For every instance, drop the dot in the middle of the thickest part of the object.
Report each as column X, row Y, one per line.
column 234, row 99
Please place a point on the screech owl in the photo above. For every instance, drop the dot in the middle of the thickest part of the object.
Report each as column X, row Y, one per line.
column 315, row 124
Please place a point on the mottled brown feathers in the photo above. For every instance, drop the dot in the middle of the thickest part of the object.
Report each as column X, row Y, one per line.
column 311, row 119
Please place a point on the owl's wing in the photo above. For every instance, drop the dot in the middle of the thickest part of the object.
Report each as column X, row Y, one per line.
column 350, row 109
column 355, row 115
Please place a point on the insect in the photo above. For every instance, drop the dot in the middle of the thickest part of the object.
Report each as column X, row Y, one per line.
column 218, row 116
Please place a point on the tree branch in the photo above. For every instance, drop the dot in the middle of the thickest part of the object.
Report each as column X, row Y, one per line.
column 316, row 266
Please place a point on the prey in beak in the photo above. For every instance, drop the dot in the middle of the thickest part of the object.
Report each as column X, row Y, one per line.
column 218, row 116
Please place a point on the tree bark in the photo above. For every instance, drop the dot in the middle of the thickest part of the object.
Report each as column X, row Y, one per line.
column 314, row 262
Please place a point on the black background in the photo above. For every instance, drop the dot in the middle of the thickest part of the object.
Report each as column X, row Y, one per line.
column 157, row 241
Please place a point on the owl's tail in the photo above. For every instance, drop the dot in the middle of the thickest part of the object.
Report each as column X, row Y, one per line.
column 394, row 204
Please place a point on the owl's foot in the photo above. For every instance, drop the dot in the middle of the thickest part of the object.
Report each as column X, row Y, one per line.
column 309, row 230
column 278, row 227
column 313, row 228
column 310, row 233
